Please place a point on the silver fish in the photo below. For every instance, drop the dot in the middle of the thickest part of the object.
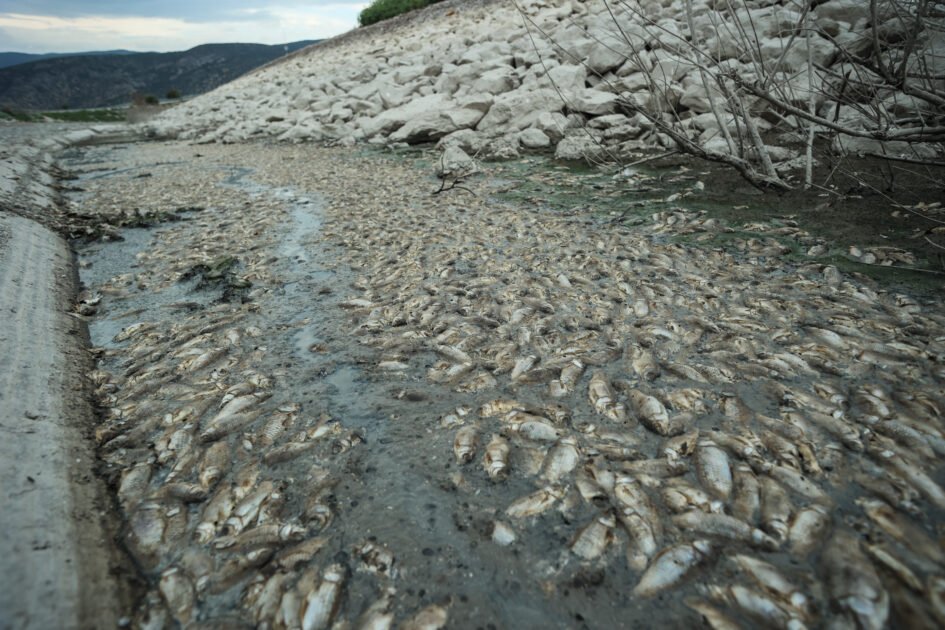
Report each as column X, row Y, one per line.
column 592, row 540
column 320, row 605
column 855, row 589
column 670, row 566
column 496, row 458
column 713, row 468
column 534, row 504
column 465, row 443
column 561, row 459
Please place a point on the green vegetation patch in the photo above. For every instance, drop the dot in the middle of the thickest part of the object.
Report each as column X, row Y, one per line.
column 380, row 10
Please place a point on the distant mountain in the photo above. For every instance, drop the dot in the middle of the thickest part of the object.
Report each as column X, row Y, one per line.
column 111, row 79
column 8, row 59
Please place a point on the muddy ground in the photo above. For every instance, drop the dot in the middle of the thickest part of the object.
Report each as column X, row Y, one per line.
column 366, row 321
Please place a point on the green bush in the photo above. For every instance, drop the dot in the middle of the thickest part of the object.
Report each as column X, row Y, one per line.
column 151, row 100
column 385, row 9
column 173, row 94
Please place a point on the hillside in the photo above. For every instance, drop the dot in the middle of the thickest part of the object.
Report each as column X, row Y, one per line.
column 8, row 59
column 103, row 80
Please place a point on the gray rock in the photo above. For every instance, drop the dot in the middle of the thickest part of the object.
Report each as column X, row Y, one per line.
column 579, row 146
column 593, row 102
column 454, row 162
column 604, row 58
column 503, row 148
column 567, row 78
column 466, row 139
column 532, row 138
column 552, row 125
column 495, row 81
column 435, row 125
column 393, row 119
column 518, row 109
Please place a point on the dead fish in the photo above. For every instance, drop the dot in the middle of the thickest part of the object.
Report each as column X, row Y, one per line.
column 887, row 560
column 561, row 459
column 566, row 382
column 602, row 398
column 186, row 492
column 379, row 615
column 776, row 508
column 215, row 464
column 523, row 365
column 808, row 529
column 496, row 458
column 216, row 511
column 277, row 424
column 671, row 565
column 202, row 360
column 320, row 605
column 713, row 468
column 268, row 534
column 855, row 589
column 477, row 383
column 300, row 553
column 746, row 504
column 592, row 540
column 902, row 530
column 134, row 483
column 712, row 616
column 724, row 526
column 652, row 414
column 432, row 617
column 134, row 330
column 227, row 425
column 465, row 443
column 248, row 509
column 756, row 604
column 643, row 542
column 241, row 403
column 534, row 504
column 681, row 496
column 769, row 578
column 454, row 354
column 535, row 430
column 265, row 604
column 393, row 366
column 644, row 365
column 177, row 588
column 500, row 407
column 146, row 529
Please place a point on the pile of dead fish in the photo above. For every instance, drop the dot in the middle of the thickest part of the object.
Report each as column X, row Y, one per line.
column 775, row 431
column 757, row 441
column 226, row 511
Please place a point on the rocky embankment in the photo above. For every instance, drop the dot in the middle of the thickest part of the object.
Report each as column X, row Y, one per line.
column 557, row 76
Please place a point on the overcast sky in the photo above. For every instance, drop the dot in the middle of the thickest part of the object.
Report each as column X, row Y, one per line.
column 40, row 26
